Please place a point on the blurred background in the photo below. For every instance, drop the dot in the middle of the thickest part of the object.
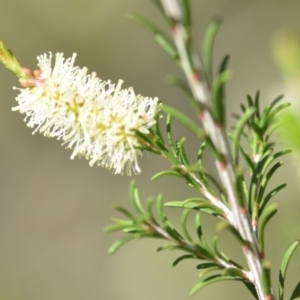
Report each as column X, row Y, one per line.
column 53, row 210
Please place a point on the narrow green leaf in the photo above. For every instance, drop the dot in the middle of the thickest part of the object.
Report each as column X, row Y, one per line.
column 277, row 110
column 256, row 104
column 184, row 217
column 239, row 130
column 266, row 216
column 243, row 108
column 123, row 222
column 214, row 151
column 218, row 96
column 164, row 220
column 269, row 196
column 159, row 35
column 203, row 252
column 182, row 85
column 169, row 133
column 199, row 231
column 157, row 129
column 224, row 64
column 133, row 229
column 119, row 243
column 184, row 120
column 234, row 272
column 181, row 152
column 159, row 6
column 250, row 101
column 113, row 227
column 207, row 265
column 251, row 289
column 124, row 211
column 265, row 116
column 145, row 137
column 266, row 179
column 186, row 7
column 159, row 209
column 209, row 280
column 168, row 247
column 296, row 292
column 165, row 173
column 239, row 188
column 247, row 159
column 208, row 44
column 181, row 258
column 134, row 198
column 271, row 158
column 208, row 270
column 200, row 155
column 284, row 265
column 219, row 92
column 204, row 206
column 222, row 255
column 194, row 199
column 176, row 81
column 173, row 232
column 255, row 180
column 167, row 45
column 266, row 278
column 150, row 218
column 222, row 226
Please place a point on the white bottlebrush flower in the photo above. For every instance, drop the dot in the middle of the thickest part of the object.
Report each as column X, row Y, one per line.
column 95, row 118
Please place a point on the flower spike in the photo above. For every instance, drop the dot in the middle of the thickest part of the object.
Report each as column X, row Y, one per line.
column 95, row 118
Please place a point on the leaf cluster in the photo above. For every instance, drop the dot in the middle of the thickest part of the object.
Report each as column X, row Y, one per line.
column 252, row 156
column 215, row 265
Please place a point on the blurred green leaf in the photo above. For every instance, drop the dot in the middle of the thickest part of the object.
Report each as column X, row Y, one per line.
column 239, row 130
column 165, row 173
column 269, row 196
column 221, row 226
column 284, row 265
column 296, row 292
column 181, row 258
column 266, row 278
column 209, row 280
column 204, row 206
column 208, row 44
column 180, row 150
column 218, row 96
column 119, row 243
column 251, row 289
column 169, row 133
column 208, row 270
column 266, row 216
column 134, row 197
column 184, row 120
column 187, row 19
column 184, row 217
column 159, row 35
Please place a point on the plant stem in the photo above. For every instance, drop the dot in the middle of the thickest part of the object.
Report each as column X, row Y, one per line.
column 215, row 131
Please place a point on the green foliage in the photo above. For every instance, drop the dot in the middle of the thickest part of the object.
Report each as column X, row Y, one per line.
column 208, row 45
column 256, row 129
column 155, row 224
column 251, row 155
column 296, row 292
column 283, row 269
